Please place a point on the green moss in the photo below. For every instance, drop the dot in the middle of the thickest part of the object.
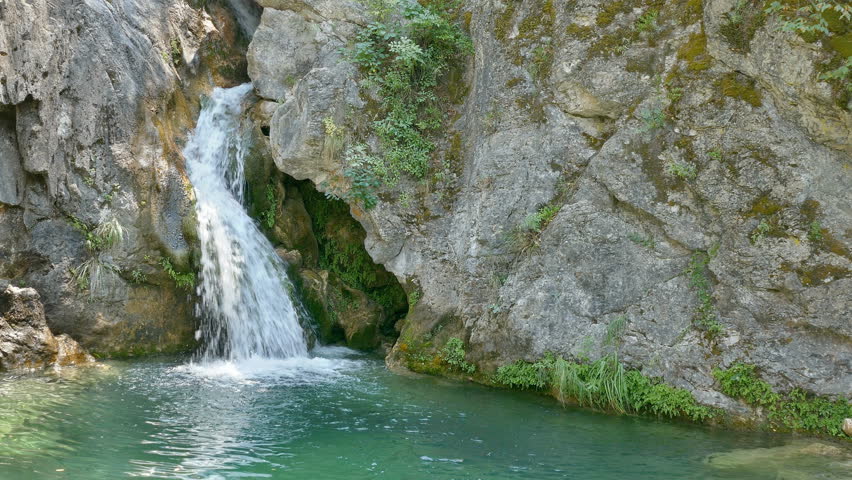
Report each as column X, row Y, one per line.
column 613, row 44
column 842, row 45
column 504, row 22
column 340, row 242
column 796, row 411
column 610, row 10
column 764, row 206
column 641, row 65
column 691, row 12
column 579, row 32
column 819, row 275
column 739, row 86
column 694, row 52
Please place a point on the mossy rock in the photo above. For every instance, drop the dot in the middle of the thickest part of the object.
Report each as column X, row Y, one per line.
column 743, row 88
column 821, row 274
column 694, row 53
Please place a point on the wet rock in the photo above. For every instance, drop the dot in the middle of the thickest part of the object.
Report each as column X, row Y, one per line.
column 796, row 461
column 343, row 313
column 25, row 340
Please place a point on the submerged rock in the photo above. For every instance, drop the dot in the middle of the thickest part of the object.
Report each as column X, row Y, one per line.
column 25, row 339
column 798, row 460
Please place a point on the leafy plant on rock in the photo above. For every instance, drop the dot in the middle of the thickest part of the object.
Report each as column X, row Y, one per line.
column 403, row 60
column 453, row 354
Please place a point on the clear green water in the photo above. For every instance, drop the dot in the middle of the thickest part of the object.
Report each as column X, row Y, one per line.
column 341, row 418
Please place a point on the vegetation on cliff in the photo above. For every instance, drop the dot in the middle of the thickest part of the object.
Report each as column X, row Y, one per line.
column 403, row 58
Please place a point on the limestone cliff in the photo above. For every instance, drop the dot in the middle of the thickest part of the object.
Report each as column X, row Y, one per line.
column 695, row 179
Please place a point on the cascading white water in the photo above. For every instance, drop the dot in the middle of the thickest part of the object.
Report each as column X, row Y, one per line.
column 245, row 293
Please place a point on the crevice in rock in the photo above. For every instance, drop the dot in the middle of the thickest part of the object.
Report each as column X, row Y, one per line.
column 352, row 299
column 12, row 176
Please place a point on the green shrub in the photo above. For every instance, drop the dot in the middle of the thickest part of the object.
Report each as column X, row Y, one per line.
column 363, row 171
column 648, row 21
column 604, row 384
column 681, row 169
column 182, row 280
column 526, row 236
column 797, row 411
column 740, row 381
column 652, row 119
column 453, row 354
column 404, row 60
column 524, row 375
column 815, row 231
column 98, row 239
column 647, row 242
column 102, row 237
column 811, row 18
column 760, row 232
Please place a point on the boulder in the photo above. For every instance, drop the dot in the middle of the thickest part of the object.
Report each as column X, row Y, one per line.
column 25, row 340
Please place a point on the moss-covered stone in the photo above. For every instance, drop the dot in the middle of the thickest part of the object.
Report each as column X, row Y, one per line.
column 743, row 88
column 614, row 44
column 694, row 53
column 504, row 22
column 821, row 274
column 610, row 10
column 341, row 252
column 580, row 32
column 534, row 107
column 690, row 12
column 764, row 206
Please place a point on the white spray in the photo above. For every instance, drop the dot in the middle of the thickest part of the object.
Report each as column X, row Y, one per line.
column 244, row 289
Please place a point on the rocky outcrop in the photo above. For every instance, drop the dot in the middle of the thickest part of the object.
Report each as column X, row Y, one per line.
column 94, row 97
column 25, row 340
column 701, row 182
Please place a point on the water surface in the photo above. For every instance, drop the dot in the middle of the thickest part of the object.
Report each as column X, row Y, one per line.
column 343, row 416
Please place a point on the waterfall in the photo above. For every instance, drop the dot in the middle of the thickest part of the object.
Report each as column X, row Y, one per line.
column 246, row 306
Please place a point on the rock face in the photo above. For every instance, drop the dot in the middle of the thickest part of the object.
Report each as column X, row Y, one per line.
column 694, row 170
column 93, row 97
column 25, row 340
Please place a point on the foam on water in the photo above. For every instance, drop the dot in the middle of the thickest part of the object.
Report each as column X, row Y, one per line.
column 246, row 306
column 293, row 370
